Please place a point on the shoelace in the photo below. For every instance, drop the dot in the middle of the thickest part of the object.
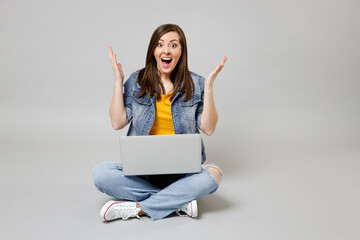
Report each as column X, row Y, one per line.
column 126, row 211
column 181, row 215
column 183, row 210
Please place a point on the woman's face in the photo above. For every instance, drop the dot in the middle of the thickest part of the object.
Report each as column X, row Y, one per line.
column 167, row 53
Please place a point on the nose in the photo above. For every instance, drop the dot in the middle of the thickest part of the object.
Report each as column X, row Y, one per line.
column 166, row 49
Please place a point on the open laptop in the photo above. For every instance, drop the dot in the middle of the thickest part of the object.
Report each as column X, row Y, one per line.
column 160, row 154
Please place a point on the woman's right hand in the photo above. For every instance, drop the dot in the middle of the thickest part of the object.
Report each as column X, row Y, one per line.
column 117, row 108
column 117, row 68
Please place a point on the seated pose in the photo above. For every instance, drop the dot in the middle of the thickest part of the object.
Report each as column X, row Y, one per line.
column 163, row 98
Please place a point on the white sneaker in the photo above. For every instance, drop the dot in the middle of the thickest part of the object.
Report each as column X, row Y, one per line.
column 119, row 209
column 189, row 208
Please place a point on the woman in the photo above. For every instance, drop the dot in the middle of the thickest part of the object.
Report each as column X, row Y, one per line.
column 162, row 98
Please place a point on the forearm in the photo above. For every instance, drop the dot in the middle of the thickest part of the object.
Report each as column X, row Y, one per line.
column 209, row 117
column 117, row 108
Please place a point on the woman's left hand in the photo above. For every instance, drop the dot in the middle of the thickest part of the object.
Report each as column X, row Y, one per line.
column 209, row 81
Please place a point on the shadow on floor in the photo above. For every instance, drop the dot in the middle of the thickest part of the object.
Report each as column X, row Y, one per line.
column 212, row 203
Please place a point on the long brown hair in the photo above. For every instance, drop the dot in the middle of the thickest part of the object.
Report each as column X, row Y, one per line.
column 149, row 79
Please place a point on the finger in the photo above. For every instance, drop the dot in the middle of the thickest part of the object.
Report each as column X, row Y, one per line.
column 111, row 55
column 217, row 69
column 220, row 67
column 224, row 60
column 114, row 60
column 110, row 52
column 120, row 69
column 222, row 63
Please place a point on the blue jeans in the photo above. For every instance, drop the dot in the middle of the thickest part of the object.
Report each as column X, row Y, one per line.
column 157, row 195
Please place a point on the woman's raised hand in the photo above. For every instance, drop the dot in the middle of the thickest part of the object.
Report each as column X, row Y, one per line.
column 117, row 68
column 209, row 81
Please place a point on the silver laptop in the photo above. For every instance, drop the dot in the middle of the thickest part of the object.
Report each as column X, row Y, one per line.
column 160, row 154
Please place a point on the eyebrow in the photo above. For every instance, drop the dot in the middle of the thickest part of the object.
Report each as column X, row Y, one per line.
column 170, row 41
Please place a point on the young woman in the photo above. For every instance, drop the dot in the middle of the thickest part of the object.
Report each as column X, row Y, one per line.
column 162, row 98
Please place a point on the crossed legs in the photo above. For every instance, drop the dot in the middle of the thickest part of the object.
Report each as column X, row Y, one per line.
column 155, row 201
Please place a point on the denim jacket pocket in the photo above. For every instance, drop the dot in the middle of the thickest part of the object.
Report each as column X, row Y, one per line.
column 141, row 105
column 189, row 107
column 191, row 102
column 144, row 100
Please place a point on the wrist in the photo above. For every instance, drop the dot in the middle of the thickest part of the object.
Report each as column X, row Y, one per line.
column 119, row 86
column 208, row 84
column 208, row 88
column 118, row 82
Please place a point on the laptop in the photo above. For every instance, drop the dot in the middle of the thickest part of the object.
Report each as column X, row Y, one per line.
column 160, row 154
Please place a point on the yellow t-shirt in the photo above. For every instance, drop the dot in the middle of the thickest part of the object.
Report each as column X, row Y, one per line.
column 163, row 124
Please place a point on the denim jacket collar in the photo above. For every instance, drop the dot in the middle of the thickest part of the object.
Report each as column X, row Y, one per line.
column 147, row 100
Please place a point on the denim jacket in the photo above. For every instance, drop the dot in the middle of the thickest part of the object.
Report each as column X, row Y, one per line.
column 186, row 115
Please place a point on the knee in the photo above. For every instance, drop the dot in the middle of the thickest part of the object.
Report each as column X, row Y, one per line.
column 101, row 173
column 215, row 172
column 98, row 174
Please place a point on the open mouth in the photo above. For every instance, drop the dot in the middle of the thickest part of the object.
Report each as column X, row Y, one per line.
column 166, row 60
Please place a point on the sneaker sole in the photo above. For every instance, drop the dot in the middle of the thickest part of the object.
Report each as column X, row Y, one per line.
column 105, row 209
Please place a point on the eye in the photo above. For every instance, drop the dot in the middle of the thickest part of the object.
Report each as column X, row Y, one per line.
column 159, row 44
column 174, row 45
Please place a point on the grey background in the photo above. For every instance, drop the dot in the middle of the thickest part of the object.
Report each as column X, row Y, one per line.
column 288, row 100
